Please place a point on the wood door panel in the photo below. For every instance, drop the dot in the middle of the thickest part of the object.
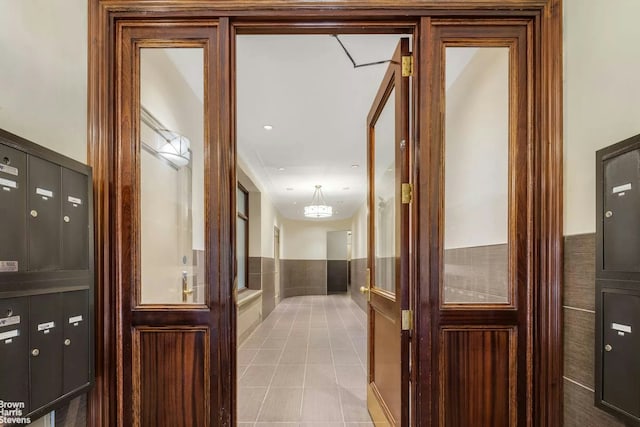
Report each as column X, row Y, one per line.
column 171, row 371
column 388, row 344
column 478, row 377
column 386, row 363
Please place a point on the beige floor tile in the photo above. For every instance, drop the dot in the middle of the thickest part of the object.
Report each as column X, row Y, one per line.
column 354, row 406
column 320, row 376
column 288, row 376
column 281, row 404
column 249, row 403
column 257, row 376
column 274, row 343
column 351, row 376
column 319, row 356
column 345, row 356
column 246, row 355
column 267, row 356
column 321, row 404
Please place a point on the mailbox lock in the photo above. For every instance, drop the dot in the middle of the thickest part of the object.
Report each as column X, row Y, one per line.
column 34, row 213
column 9, row 312
column 67, row 342
column 66, row 219
column 608, row 214
column 35, row 352
column 608, row 347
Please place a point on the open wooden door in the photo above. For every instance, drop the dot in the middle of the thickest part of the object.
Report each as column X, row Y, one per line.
column 388, row 252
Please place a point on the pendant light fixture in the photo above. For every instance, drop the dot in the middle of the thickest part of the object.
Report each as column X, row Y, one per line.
column 318, row 207
column 175, row 148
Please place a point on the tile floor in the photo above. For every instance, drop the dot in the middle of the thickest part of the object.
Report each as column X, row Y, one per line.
column 305, row 366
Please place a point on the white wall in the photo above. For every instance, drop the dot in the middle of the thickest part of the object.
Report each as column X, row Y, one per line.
column 43, row 73
column 43, row 76
column 263, row 216
column 308, row 239
column 171, row 100
column 269, row 218
column 160, row 252
column 476, row 150
column 601, row 95
column 359, row 233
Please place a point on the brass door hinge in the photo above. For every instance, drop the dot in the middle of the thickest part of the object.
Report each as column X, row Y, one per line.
column 407, row 320
column 407, row 193
column 407, row 66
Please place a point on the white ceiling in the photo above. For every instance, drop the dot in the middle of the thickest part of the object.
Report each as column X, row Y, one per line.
column 308, row 90
column 317, row 102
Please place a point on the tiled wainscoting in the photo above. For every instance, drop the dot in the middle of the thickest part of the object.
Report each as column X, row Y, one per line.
column 303, row 277
column 579, row 323
column 359, row 278
column 476, row 274
column 262, row 276
column 73, row 414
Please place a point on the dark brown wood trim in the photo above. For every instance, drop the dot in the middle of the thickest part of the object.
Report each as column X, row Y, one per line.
column 548, row 341
column 547, row 36
column 101, row 400
column 226, row 301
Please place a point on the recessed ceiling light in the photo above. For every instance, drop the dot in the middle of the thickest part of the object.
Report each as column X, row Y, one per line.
column 280, row 169
column 355, row 165
column 289, row 188
column 267, row 127
column 295, row 203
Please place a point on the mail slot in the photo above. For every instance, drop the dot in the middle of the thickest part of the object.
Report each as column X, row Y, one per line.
column 45, row 349
column 75, row 340
column 75, row 233
column 13, row 205
column 14, row 347
column 44, row 215
column 621, row 211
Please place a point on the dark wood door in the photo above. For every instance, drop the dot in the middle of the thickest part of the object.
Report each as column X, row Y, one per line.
column 172, row 227
column 478, row 212
column 388, row 237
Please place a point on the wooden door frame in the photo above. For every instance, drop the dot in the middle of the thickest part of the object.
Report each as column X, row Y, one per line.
column 319, row 16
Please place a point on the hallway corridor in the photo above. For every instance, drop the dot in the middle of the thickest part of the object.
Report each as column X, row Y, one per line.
column 305, row 365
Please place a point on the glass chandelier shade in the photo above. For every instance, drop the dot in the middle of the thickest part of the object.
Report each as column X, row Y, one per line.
column 318, row 207
column 175, row 148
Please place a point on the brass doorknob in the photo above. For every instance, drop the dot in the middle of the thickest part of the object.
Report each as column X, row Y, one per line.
column 364, row 290
column 188, row 291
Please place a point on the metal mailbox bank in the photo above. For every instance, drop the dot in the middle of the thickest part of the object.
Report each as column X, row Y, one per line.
column 46, row 279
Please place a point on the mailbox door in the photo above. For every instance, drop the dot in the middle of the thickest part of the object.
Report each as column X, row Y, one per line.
column 621, row 347
column 45, row 353
column 14, row 348
column 75, row 233
column 621, row 228
column 44, row 215
column 13, row 205
column 76, row 340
